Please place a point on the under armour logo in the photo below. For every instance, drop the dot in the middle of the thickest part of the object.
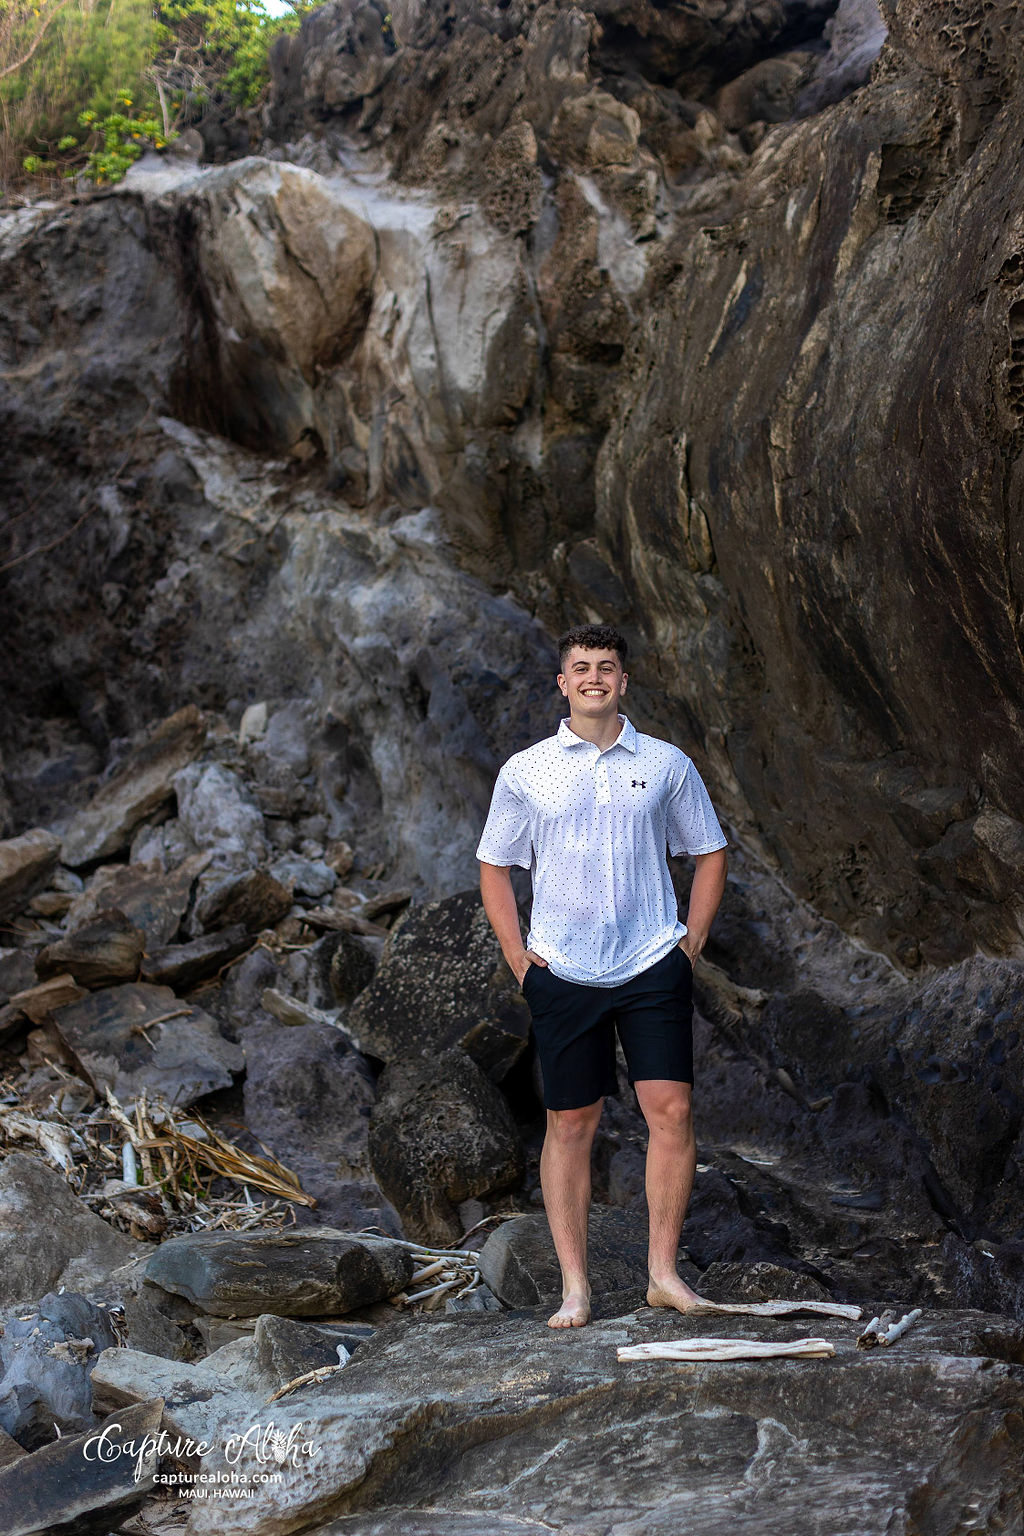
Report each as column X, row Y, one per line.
column 639, row 783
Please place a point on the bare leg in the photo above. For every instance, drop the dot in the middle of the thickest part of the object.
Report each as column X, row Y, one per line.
column 565, row 1181
column 671, row 1166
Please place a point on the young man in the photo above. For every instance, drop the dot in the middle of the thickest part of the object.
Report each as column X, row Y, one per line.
column 590, row 811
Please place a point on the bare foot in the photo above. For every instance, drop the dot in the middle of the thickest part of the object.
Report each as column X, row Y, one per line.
column 574, row 1311
column 673, row 1292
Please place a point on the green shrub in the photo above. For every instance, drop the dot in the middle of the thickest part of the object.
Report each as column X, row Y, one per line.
column 129, row 72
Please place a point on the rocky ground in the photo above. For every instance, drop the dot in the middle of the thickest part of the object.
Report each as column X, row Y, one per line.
column 516, row 314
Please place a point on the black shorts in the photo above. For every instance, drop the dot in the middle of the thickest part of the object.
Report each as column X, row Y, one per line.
column 574, row 1027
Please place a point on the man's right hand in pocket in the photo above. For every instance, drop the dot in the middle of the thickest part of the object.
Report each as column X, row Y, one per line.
column 522, row 964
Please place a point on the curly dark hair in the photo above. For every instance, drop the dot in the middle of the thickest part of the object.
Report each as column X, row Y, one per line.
column 593, row 637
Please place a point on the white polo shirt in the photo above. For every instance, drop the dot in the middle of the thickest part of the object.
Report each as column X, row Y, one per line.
column 593, row 828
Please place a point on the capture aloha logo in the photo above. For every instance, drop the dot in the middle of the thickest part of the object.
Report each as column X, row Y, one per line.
column 261, row 1445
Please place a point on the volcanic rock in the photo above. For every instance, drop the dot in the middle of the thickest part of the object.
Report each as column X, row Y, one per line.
column 292, row 1274
column 442, row 982
column 182, row 966
column 26, row 863
column 152, row 898
column 732, row 1441
column 45, row 1359
column 308, row 1097
column 63, row 1489
column 137, row 789
column 519, row 1263
column 48, row 1238
column 253, row 901
column 106, row 950
column 440, row 1133
column 141, row 1037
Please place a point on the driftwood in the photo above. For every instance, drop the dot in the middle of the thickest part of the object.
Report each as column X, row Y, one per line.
column 775, row 1308
column 886, row 1330
column 322, row 1373
column 727, row 1349
column 441, row 1272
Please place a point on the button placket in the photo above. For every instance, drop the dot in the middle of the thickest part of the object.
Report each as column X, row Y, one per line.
column 604, row 788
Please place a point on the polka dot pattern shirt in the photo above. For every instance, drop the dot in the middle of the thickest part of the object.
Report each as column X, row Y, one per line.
column 593, row 828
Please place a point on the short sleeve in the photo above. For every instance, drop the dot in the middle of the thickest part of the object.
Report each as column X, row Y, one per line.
column 506, row 836
column 691, row 824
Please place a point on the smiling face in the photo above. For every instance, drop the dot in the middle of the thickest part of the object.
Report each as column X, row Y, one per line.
column 593, row 682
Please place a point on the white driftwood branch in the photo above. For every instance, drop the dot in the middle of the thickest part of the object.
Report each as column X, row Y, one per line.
column 892, row 1334
column 885, row 1329
column 727, row 1349
column 775, row 1308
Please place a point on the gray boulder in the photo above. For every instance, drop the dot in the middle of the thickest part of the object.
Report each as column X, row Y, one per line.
column 442, row 982
column 26, row 863
column 308, row 1097
column 182, row 1055
column 519, row 1264
column 441, row 1133
column 290, row 1273
column 48, row 1238
column 141, row 786
column 46, row 1355
column 66, row 1489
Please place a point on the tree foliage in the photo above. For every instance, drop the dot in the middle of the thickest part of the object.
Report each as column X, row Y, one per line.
column 86, row 84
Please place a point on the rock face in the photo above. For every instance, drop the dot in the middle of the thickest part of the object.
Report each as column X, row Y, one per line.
column 528, row 313
column 756, row 422
column 552, row 1432
column 581, row 331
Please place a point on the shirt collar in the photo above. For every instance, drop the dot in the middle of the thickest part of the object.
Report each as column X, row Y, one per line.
column 626, row 737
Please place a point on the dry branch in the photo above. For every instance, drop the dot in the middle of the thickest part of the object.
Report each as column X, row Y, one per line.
column 775, row 1308
column 727, row 1349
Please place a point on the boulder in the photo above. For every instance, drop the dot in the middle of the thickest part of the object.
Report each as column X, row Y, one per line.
column 102, row 952
column 519, row 1264
column 340, row 967
column 253, row 901
column 66, row 1487
column 292, row 1274
column 46, row 1355
column 217, row 812
column 442, row 982
column 282, row 1349
column 306, row 877
column 183, row 966
column 17, row 973
column 141, row 786
column 288, row 263
column 26, row 863
column 441, row 1133
column 48, row 1238
column 138, row 1037
column 308, row 1097
column 152, row 898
